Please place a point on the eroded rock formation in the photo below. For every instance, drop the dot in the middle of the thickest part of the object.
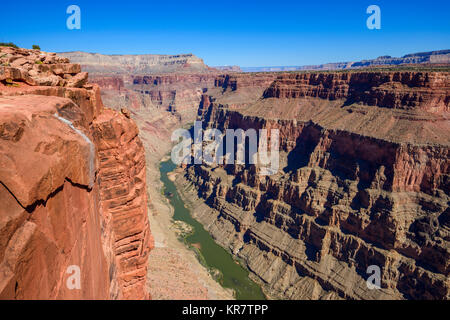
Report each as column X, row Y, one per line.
column 363, row 180
column 72, row 186
column 137, row 64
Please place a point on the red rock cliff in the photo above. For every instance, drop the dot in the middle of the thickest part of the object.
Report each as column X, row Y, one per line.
column 72, row 186
column 363, row 180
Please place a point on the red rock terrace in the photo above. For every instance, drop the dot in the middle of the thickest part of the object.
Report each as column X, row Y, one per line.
column 73, row 187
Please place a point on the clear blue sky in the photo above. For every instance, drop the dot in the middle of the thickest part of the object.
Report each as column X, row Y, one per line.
column 246, row 32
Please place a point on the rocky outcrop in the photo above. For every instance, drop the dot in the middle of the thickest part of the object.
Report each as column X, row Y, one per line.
column 72, row 186
column 363, row 181
column 137, row 64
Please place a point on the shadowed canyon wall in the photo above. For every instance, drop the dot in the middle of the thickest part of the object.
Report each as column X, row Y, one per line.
column 72, row 185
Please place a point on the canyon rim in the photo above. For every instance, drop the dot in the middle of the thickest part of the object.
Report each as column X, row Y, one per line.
column 223, row 155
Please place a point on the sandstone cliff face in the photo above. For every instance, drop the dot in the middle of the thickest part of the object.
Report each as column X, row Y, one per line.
column 72, row 186
column 121, row 178
column 364, row 180
column 161, row 88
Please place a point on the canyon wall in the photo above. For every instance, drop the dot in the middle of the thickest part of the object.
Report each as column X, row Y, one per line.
column 409, row 60
column 72, row 186
column 363, row 181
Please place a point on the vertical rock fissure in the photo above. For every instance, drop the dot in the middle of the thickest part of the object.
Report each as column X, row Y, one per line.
column 91, row 148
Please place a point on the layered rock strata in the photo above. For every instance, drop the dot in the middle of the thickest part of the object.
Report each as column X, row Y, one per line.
column 363, row 181
column 157, row 84
column 137, row 64
column 73, row 200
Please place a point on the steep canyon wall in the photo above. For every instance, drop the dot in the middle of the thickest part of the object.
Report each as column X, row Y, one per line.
column 364, row 180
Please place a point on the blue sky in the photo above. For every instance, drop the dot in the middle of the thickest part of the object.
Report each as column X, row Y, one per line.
column 246, row 32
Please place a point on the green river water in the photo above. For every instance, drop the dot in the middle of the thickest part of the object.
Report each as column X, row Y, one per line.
column 233, row 275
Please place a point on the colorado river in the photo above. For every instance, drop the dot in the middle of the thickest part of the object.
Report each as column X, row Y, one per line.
column 233, row 275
